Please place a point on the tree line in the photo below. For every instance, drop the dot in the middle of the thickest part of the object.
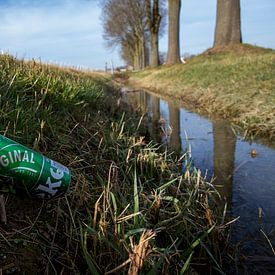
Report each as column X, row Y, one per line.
column 135, row 26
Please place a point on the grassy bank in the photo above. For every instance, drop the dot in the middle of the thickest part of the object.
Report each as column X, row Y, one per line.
column 237, row 83
column 129, row 208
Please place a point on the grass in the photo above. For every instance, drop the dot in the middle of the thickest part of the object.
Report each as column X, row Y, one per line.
column 236, row 83
column 129, row 208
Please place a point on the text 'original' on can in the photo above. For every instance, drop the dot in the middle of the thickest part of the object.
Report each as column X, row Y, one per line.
column 39, row 176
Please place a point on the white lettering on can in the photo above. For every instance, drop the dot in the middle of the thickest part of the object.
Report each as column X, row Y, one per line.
column 4, row 161
column 49, row 186
column 32, row 158
column 57, row 175
column 26, row 157
column 17, row 155
column 11, row 159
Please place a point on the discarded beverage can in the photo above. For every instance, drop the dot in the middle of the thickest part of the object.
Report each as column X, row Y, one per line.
column 39, row 176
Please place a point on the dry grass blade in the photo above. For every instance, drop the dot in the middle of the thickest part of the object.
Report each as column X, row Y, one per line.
column 118, row 267
column 3, row 215
column 269, row 242
column 140, row 252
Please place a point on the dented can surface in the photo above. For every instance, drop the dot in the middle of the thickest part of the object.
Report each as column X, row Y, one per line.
column 39, row 176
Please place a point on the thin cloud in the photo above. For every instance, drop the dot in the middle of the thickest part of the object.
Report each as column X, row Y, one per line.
column 65, row 32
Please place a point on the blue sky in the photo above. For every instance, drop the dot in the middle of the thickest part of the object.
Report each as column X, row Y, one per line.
column 69, row 32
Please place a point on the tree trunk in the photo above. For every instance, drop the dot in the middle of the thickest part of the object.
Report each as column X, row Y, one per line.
column 153, row 18
column 136, row 58
column 140, row 53
column 173, row 56
column 143, row 52
column 228, row 23
column 154, row 51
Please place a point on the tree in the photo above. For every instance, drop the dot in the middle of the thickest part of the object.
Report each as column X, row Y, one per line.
column 124, row 24
column 173, row 55
column 153, row 19
column 228, row 23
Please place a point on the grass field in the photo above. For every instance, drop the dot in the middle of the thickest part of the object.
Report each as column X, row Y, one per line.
column 236, row 83
column 129, row 208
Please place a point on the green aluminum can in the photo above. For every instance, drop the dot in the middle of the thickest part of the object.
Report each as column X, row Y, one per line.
column 39, row 176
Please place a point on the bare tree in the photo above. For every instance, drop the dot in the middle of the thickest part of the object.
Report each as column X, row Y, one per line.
column 124, row 24
column 228, row 23
column 173, row 56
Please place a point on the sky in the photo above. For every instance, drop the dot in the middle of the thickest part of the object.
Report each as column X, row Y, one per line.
column 69, row 32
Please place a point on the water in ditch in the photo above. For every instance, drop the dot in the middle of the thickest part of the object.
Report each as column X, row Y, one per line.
column 244, row 171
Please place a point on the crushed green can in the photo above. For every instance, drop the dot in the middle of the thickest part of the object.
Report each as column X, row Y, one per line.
column 39, row 176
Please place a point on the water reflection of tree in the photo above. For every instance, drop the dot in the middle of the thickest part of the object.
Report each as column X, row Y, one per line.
column 134, row 100
column 174, row 118
column 155, row 118
column 143, row 101
column 224, row 156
